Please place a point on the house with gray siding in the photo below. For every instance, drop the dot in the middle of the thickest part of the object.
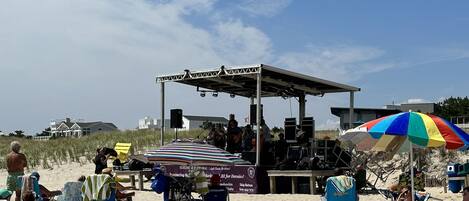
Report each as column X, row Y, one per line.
column 68, row 128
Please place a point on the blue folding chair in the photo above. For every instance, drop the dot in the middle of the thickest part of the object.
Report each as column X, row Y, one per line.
column 341, row 188
column 71, row 192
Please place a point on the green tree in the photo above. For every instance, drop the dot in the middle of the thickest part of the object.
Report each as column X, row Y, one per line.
column 19, row 133
column 45, row 132
column 452, row 107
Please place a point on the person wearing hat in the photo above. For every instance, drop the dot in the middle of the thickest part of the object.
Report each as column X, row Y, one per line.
column 216, row 192
column 46, row 194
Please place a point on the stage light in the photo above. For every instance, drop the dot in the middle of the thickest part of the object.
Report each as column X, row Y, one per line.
column 232, row 95
column 202, row 94
column 215, row 94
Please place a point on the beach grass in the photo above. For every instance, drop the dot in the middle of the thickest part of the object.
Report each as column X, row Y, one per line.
column 82, row 150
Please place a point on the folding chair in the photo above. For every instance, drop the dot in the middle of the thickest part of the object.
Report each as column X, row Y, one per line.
column 71, row 192
column 123, row 150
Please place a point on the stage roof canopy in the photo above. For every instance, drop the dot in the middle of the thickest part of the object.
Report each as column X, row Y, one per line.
column 242, row 81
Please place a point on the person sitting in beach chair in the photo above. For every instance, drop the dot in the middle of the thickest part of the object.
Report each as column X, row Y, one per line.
column 215, row 191
column 123, row 153
column 341, row 188
column 121, row 191
column 44, row 193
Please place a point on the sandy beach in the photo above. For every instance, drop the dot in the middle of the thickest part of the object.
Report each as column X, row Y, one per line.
column 56, row 177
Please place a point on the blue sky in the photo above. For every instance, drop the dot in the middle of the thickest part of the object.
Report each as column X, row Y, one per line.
column 96, row 60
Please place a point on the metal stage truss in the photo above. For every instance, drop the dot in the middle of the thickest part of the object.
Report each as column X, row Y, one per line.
column 255, row 82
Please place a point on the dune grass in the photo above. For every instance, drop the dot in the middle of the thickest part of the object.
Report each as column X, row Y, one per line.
column 65, row 150
column 82, row 150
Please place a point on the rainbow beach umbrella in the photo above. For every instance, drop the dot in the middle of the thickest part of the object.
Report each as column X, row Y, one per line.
column 424, row 130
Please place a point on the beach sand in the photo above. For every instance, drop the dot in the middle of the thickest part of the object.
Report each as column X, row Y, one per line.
column 56, row 177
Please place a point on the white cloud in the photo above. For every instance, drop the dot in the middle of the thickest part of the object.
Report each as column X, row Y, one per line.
column 343, row 63
column 97, row 60
column 241, row 44
column 267, row 8
column 425, row 56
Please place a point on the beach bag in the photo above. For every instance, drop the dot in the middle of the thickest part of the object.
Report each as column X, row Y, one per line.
column 159, row 184
column 5, row 194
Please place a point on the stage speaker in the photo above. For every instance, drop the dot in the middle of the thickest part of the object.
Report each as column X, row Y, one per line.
column 176, row 118
column 307, row 125
column 253, row 113
column 290, row 129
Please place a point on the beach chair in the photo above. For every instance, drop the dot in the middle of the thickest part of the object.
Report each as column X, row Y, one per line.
column 341, row 188
column 71, row 192
column 123, row 150
column 98, row 187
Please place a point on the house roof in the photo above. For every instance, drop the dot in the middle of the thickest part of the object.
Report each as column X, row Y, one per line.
column 88, row 124
column 242, row 81
column 205, row 118
column 67, row 124
column 338, row 110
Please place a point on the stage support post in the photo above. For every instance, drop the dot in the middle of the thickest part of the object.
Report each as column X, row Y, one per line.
column 302, row 108
column 258, row 116
column 350, row 123
column 162, row 114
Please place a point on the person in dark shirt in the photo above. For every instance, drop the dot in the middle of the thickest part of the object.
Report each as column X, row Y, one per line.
column 100, row 160
column 234, row 135
column 280, row 148
column 248, row 135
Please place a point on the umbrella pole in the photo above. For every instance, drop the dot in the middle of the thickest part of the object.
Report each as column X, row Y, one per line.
column 411, row 172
